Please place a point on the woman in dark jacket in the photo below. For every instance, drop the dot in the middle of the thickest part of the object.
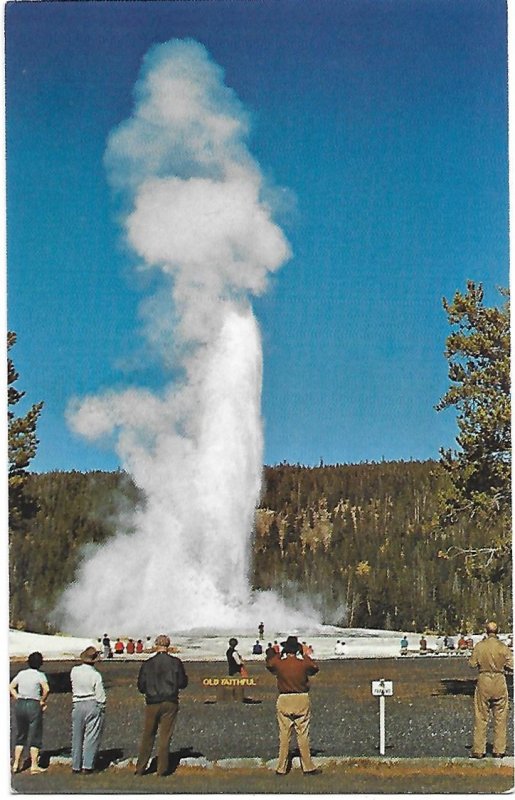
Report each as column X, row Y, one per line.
column 234, row 661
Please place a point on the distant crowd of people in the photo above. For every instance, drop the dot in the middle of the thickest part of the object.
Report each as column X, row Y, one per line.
column 162, row 676
column 445, row 644
column 123, row 647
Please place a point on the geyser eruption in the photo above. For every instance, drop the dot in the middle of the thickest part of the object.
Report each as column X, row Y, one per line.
column 195, row 213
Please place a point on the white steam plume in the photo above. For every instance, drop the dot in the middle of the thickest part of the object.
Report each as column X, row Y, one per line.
column 195, row 212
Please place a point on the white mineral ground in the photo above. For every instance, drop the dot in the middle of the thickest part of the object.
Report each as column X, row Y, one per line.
column 204, row 646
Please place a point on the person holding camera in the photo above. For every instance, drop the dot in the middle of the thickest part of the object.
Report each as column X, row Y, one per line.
column 292, row 670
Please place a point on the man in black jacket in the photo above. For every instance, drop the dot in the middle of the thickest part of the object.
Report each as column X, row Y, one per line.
column 160, row 679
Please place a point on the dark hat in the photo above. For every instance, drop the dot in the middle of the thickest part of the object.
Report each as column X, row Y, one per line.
column 89, row 655
column 291, row 645
column 233, row 642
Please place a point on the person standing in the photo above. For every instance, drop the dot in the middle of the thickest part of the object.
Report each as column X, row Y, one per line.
column 88, row 711
column 234, row 660
column 293, row 707
column 30, row 690
column 106, row 644
column 491, row 657
column 261, row 630
column 160, row 679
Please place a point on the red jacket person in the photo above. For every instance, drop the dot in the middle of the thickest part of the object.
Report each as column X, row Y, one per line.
column 292, row 670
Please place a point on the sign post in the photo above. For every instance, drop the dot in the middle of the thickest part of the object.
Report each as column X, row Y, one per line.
column 382, row 689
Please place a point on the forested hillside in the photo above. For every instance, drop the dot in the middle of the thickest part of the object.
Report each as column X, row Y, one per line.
column 362, row 542
column 358, row 541
column 75, row 510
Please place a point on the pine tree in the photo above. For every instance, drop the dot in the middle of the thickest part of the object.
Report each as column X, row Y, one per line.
column 478, row 352
column 22, row 445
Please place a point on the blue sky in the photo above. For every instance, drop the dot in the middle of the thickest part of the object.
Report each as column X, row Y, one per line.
column 386, row 120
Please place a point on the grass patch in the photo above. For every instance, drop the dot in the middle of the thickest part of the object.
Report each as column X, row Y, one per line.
column 352, row 778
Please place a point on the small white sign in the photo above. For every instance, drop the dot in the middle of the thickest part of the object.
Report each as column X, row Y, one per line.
column 382, row 688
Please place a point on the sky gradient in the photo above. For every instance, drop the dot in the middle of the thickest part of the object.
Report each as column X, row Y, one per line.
column 383, row 127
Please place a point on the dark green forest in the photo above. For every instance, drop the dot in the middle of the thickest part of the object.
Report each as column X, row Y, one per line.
column 363, row 541
column 75, row 511
column 360, row 542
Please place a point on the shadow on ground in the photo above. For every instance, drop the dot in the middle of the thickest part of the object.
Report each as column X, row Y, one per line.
column 174, row 759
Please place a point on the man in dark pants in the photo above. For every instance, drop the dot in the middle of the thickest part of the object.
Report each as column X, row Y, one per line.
column 491, row 657
column 160, row 679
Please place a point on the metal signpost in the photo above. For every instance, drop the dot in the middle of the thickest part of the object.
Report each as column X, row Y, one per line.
column 382, row 689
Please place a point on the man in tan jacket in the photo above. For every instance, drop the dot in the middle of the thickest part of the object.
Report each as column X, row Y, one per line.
column 491, row 657
column 293, row 706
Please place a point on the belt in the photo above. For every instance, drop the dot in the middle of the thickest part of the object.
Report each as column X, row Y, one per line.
column 83, row 697
column 491, row 672
column 280, row 693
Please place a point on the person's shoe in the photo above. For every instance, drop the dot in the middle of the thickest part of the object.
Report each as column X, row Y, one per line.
column 477, row 755
column 75, row 771
column 316, row 771
column 36, row 770
column 91, row 771
column 498, row 755
column 280, row 774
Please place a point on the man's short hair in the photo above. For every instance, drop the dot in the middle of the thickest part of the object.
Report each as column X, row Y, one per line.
column 162, row 640
column 35, row 660
column 491, row 627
